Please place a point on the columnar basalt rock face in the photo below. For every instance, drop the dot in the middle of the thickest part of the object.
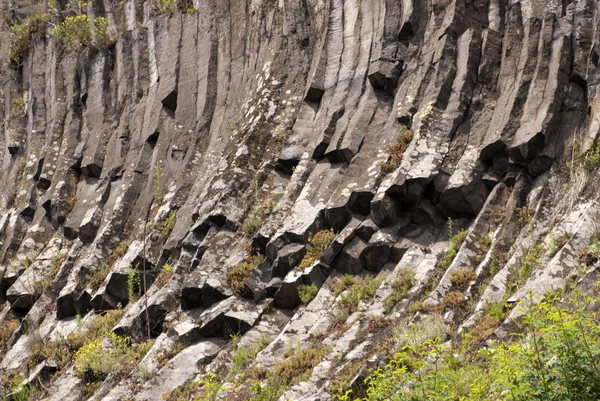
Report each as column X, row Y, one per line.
column 183, row 172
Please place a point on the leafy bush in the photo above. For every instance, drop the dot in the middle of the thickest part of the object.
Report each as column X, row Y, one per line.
column 237, row 275
column 115, row 354
column 21, row 35
column 591, row 157
column 307, row 293
column 78, row 31
column 396, row 151
column 317, row 245
column 554, row 359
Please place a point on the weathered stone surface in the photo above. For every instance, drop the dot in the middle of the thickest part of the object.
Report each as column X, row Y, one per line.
column 198, row 139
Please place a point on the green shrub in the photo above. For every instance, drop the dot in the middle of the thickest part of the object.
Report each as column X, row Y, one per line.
column 78, row 31
column 21, row 35
column 245, row 354
column 134, row 287
column 591, row 157
column 97, row 360
column 307, row 293
column 317, row 245
column 555, row 359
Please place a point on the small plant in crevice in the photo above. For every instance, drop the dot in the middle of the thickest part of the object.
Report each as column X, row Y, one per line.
column 590, row 158
column 403, row 282
column 96, row 278
column 557, row 242
column 134, row 288
column 307, row 292
column 157, row 182
column 317, row 245
column 6, row 331
column 485, row 242
column 168, row 224
column 18, row 108
column 456, row 240
column 164, row 276
column 396, row 151
column 462, row 277
column 238, row 274
column 524, row 217
column 528, row 263
column 21, row 35
column 591, row 253
column 352, row 290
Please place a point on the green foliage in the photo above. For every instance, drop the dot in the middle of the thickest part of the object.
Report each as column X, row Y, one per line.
column 317, row 245
column 352, row 291
column 524, row 217
column 238, row 274
column 404, row 281
column 591, row 253
column 157, row 182
column 21, row 35
column 307, row 293
column 591, row 157
column 528, row 262
column 396, row 151
column 191, row 10
column 61, row 351
column 168, row 224
column 251, row 225
column 133, row 283
column 556, row 358
column 97, row 360
column 19, row 107
column 245, row 354
column 456, row 241
column 96, row 278
column 557, row 243
column 78, row 31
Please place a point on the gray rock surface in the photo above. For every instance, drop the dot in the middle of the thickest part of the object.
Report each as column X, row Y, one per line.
column 183, row 172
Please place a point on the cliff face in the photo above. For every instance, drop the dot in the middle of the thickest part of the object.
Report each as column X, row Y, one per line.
column 221, row 139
